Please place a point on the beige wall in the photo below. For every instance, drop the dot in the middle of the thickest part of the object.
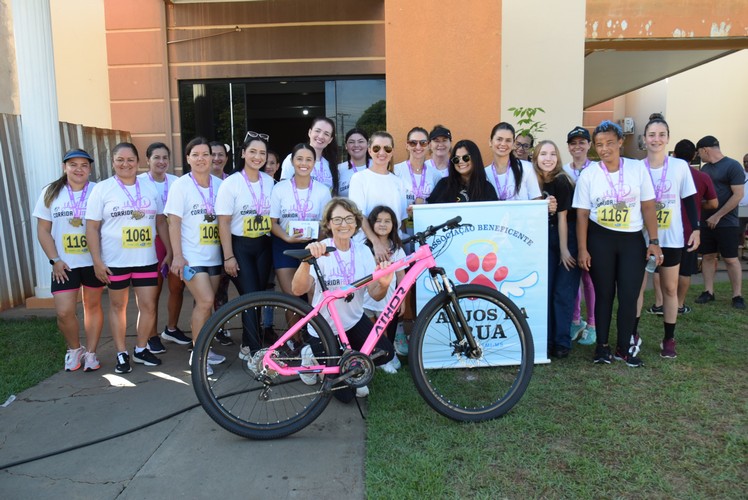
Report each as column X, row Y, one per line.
column 542, row 62
column 81, row 62
column 707, row 100
column 8, row 76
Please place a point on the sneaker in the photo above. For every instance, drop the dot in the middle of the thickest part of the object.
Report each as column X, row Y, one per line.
column 589, row 336
column 145, row 357
column 668, row 349
column 90, row 362
column 684, row 310
column 396, row 362
column 123, row 363
column 155, row 345
column 388, row 367
column 307, row 359
column 177, row 336
column 401, row 341
column 362, row 392
column 654, row 309
column 209, row 370
column 738, row 302
column 244, row 353
column 215, row 359
column 223, row 337
column 629, row 357
column 560, row 352
column 73, row 359
column 602, row 355
column 635, row 342
column 575, row 331
column 704, row 297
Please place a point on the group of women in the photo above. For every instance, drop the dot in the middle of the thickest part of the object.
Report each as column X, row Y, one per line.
column 234, row 226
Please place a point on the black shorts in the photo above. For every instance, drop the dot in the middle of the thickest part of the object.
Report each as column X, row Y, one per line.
column 722, row 240
column 122, row 277
column 671, row 256
column 689, row 263
column 80, row 276
column 211, row 270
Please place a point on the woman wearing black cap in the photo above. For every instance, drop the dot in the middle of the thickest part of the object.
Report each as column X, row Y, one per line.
column 440, row 143
column 61, row 230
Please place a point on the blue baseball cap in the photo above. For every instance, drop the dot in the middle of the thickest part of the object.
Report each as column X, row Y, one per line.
column 77, row 153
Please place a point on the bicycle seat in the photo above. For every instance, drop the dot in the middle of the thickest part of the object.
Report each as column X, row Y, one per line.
column 304, row 254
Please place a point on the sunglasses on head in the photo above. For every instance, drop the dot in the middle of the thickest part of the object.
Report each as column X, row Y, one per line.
column 255, row 135
column 458, row 159
column 377, row 147
column 423, row 143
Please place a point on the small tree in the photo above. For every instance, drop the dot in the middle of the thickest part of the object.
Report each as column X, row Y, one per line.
column 526, row 124
column 374, row 118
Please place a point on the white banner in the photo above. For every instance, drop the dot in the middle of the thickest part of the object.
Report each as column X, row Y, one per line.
column 503, row 245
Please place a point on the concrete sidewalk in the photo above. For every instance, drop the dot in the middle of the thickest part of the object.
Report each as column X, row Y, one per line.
column 186, row 456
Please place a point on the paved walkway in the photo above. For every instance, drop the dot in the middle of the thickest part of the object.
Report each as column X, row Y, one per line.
column 186, row 456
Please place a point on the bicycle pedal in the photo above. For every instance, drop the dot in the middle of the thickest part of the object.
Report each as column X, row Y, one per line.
column 378, row 353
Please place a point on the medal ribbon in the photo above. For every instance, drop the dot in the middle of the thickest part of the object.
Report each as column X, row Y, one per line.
column 211, row 201
column 660, row 185
column 417, row 192
column 77, row 207
column 305, row 210
column 577, row 173
column 341, row 265
column 258, row 203
column 135, row 202
column 501, row 191
column 610, row 181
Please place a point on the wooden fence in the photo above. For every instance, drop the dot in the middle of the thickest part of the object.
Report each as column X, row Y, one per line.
column 17, row 226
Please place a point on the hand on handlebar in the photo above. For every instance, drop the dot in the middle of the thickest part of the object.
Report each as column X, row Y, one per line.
column 317, row 249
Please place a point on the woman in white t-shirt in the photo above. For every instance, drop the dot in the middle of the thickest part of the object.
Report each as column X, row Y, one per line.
column 440, row 145
column 157, row 158
column 295, row 211
column 322, row 139
column 377, row 185
column 122, row 220
column 193, row 232
column 614, row 199
column 512, row 178
column 672, row 182
column 61, row 230
column 358, row 158
column 352, row 261
column 243, row 209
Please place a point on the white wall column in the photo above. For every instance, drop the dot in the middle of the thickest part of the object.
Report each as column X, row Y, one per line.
column 40, row 133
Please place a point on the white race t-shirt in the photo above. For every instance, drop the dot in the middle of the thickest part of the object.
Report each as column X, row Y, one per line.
column 678, row 183
column 235, row 199
column 201, row 245
column 320, row 172
column 572, row 172
column 125, row 240
column 335, row 278
column 70, row 240
column 369, row 189
column 162, row 187
column 344, row 177
column 439, row 174
column 594, row 193
column 378, row 305
column 505, row 186
column 285, row 208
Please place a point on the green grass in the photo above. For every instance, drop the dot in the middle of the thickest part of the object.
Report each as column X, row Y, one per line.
column 31, row 350
column 672, row 429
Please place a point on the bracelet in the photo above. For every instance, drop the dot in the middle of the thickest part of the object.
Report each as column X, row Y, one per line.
column 226, row 260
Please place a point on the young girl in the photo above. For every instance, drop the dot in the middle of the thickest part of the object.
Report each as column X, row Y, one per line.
column 382, row 221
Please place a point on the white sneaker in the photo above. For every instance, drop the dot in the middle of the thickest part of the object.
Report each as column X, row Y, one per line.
column 90, row 362
column 307, row 359
column 362, row 392
column 210, row 368
column 215, row 359
column 396, row 362
column 389, row 367
column 73, row 359
column 244, row 353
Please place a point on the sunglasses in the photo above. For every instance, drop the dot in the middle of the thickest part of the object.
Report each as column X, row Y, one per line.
column 423, row 143
column 458, row 159
column 255, row 135
column 375, row 149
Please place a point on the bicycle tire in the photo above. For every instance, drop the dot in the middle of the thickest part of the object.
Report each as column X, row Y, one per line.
column 456, row 386
column 231, row 396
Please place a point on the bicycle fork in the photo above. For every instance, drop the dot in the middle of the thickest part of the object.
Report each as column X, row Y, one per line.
column 465, row 343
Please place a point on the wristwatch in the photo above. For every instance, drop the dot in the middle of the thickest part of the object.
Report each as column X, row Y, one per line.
column 53, row 261
column 654, row 241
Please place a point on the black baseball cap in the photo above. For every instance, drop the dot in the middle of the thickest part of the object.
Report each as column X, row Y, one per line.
column 440, row 131
column 708, row 141
column 578, row 132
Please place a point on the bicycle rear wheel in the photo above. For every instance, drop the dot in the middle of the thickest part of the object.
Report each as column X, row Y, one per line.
column 233, row 396
column 456, row 385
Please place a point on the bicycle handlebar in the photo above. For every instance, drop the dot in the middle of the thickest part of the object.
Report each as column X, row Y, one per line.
column 303, row 254
column 420, row 237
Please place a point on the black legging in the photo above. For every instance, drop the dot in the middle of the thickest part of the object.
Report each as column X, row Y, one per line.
column 618, row 261
column 255, row 261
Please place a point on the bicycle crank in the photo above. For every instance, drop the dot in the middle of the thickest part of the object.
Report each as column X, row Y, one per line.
column 356, row 369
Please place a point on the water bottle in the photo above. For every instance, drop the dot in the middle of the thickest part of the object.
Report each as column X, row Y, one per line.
column 651, row 264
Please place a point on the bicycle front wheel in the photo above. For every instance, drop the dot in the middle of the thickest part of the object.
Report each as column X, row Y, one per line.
column 233, row 395
column 475, row 387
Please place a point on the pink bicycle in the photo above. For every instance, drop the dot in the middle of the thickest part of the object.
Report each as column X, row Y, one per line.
column 470, row 352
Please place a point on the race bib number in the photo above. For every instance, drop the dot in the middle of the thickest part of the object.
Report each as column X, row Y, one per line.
column 254, row 227
column 209, row 234
column 615, row 218
column 137, row 237
column 663, row 218
column 74, row 244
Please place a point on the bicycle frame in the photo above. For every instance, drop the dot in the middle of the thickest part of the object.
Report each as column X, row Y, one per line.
column 422, row 260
